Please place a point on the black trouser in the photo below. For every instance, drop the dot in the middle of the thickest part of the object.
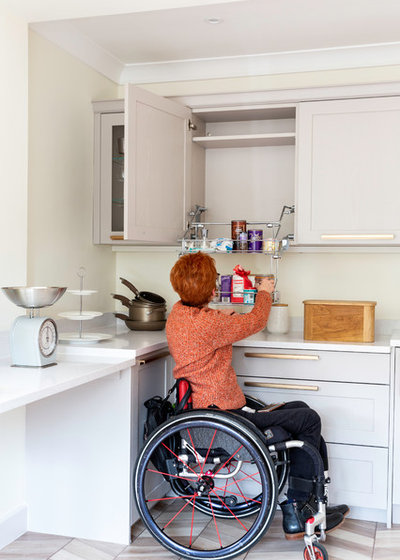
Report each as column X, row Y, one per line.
column 304, row 424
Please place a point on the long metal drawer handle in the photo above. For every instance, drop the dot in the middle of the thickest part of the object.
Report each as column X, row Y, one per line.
column 153, row 358
column 360, row 236
column 282, row 356
column 281, row 386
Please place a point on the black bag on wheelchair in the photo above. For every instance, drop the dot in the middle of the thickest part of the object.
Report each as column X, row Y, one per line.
column 160, row 409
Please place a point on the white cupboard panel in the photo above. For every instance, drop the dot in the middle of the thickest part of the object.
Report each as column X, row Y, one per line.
column 359, row 476
column 79, row 447
column 356, row 367
column 351, row 413
column 156, row 174
column 348, row 169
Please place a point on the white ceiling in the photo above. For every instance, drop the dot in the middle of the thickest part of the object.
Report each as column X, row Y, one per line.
column 137, row 41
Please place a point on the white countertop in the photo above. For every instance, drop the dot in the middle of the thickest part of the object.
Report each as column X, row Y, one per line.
column 20, row 386
column 80, row 364
column 295, row 341
column 76, row 365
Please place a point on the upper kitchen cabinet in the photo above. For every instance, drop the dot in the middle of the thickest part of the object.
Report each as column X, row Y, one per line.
column 142, row 169
column 238, row 161
column 348, row 172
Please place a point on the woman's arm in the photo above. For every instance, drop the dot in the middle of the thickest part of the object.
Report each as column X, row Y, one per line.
column 231, row 328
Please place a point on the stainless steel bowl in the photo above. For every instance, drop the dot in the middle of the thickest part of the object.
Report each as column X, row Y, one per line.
column 33, row 297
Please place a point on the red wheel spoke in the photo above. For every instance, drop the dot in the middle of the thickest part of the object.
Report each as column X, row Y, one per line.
column 179, row 459
column 194, row 449
column 215, row 521
column 182, row 508
column 240, row 490
column 230, row 511
column 208, row 450
column 238, row 480
column 227, row 461
column 251, row 476
column 191, row 526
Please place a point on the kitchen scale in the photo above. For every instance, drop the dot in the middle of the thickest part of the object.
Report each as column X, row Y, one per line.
column 33, row 339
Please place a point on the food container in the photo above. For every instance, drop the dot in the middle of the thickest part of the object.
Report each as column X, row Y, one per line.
column 255, row 240
column 270, row 245
column 278, row 320
column 339, row 320
column 226, row 287
column 237, row 227
column 249, row 295
column 237, row 289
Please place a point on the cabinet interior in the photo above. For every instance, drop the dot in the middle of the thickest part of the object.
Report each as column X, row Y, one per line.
column 245, row 176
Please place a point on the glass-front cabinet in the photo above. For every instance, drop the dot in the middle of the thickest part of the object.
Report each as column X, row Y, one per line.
column 117, row 179
column 108, row 222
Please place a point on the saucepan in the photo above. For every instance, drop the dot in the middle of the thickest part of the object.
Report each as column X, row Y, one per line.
column 144, row 297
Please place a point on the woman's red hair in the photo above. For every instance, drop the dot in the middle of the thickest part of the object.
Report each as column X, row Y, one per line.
column 193, row 277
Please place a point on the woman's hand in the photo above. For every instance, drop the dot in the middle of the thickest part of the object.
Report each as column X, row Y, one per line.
column 228, row 311
column 267, row 285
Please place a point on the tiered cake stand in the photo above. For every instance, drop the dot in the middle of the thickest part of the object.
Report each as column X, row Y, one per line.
column 82, row 337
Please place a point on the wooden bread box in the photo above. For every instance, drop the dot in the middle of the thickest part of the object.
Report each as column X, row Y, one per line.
column 339, row 320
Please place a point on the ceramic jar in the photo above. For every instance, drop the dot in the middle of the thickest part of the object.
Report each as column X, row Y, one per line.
column 278, row 321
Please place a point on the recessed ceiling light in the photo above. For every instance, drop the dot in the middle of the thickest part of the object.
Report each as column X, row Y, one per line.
column 213, row 20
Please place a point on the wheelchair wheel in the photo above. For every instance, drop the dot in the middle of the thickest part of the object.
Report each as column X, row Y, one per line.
column 318, row 550
column 216, row 469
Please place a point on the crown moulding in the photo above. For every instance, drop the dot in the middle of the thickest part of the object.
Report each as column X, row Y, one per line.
column 77, row 44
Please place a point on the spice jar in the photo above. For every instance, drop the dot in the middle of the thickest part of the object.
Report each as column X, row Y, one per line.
column 278, row 320
column 237, row 227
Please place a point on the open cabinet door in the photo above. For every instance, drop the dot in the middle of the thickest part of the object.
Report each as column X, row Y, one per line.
column 156, row 174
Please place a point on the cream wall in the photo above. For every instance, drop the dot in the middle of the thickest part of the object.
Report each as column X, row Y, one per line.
column 359, row 275
column 13, row 239
column 13, row 158
column 374, row 276
column 61, row 89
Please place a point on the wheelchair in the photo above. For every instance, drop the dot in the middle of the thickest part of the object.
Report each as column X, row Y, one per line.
column 207, row 481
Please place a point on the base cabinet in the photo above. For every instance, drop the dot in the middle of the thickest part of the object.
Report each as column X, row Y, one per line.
column 81, row 448
column 396, row 444
column 354, row 414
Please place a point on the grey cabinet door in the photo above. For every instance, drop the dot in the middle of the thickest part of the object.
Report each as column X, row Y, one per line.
column 156, row 170
column 348, row 172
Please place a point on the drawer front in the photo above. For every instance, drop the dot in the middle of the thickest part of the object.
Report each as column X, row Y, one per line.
column 359, row 476
column 351, row 413
column 355, row 367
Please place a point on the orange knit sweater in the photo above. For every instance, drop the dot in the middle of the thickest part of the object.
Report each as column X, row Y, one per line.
column 200, row 341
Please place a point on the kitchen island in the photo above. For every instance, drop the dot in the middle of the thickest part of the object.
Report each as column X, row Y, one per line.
column 84, row 421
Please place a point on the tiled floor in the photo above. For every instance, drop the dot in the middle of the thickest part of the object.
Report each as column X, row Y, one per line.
column 354, row 540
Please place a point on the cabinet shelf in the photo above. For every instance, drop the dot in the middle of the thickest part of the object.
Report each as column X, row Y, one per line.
column 246, row 140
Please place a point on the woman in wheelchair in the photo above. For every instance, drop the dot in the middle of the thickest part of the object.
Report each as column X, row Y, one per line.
column 200, row 340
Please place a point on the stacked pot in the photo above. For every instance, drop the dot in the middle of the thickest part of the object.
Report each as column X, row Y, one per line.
column 146, row 310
